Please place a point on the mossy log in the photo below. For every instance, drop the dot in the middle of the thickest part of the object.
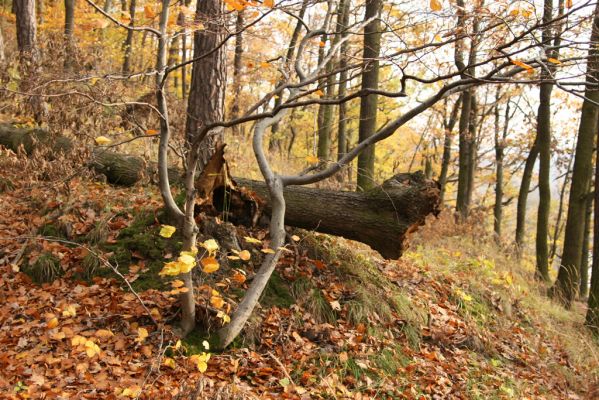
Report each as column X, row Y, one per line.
column 382, row 217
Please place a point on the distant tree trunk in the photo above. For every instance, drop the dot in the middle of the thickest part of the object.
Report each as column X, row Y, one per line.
column 557, row 230
column 69, row 29
column 368, row 104
column 181, row 22
column 529, row 165
column 173, row 59
column 208, row 79
column 237, row 70
column 566, row 286
column 472, row 150
column 448, row 127
column 274, row 142
column 342, row 24
column 123, row 5
column 107, row 6
column 584, row 257
column 40, row 11
column 28, row 51
column 499, row 150
column 2, row 53
column 128, row 45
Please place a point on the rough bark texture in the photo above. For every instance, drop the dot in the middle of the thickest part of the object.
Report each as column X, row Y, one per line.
column 69, row 29
column 446, row 159
column 381, row 217
column 2, row 51
column 128, row 45
column 208, row 78
column 342, row 24
column 499, row 154
column 368, row 104
column 592, row 317
column 584, row 256
column 237, row 70
column 566, row 285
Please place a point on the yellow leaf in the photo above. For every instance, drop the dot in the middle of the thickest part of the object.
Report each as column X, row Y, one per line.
column 436, row 5
column 319, row 92
column 554, row 60
column 312, row 159
column 69, row 311
column 233, row 258
column 102, row 140
column 91, row 349
column 178, row 345
column 131, row 392
column 77, row 341
column 226, row 319
column 217, row 301
column 269, row 3
column 167, row 231
column 211, row 246
column 142, row 334
column 245, row 255
column 53, row 323
column 149, row 12
column 268, row 251
column 200, row 361
column 169, row 362
column 321, row 44
column 522, row 65
column 172, row 268
column 295, row 238
column 250, row 239
column 264, row 64
column 210, row 265
column 239, row 277
column 152, row 132
column 569, row 3
column 206, row 345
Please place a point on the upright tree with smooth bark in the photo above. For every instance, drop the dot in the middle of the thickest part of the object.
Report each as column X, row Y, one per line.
column 368, row 104
column 592, row 317
column 128, row 44
column 500, row 140
column 237, row 69
column 342, row 24
column 69, row 29
column 448, row 126
column 566, row 286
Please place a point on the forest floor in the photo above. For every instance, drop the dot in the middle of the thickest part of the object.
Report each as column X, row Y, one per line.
column 456, row 318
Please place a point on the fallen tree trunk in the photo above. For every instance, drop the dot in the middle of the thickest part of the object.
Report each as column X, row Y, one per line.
column 382, row 217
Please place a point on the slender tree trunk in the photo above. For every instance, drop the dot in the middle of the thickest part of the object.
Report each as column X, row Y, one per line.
column 107, row 6
column 448, row 125
column 584, row 256
column 237, row 69
column 274, row 143
column 342, row 24
column 368, row 104
column 566, row 286
column 28, row 51
column 557, row 230
column 69, row 29
column 499, row 150
column 208, row 79
column 2, row 52
column 40, row 11
column 529, row 165
column 128, row 45
column 173, row 59
column 472, row 150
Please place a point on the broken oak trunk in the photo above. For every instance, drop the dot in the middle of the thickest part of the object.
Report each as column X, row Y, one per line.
column 382, row 217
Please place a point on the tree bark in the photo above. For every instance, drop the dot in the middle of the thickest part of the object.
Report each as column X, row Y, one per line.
column 529, row 165
column 208, row 79
column 368, row 104
column 342, row 24
column 566, row 285
column 2, row 51
column 381, row 217
column 128, row 44
column 592, row 317
column 69, row 29
column 499, row 150
column 28, row 52
column 237, row 70
column 584, row 256
column 449, row 125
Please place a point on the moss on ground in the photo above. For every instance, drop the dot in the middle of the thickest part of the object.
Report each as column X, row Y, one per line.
column 45, row 268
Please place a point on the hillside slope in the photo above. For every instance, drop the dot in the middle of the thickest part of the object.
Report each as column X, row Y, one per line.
column 455, row 318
